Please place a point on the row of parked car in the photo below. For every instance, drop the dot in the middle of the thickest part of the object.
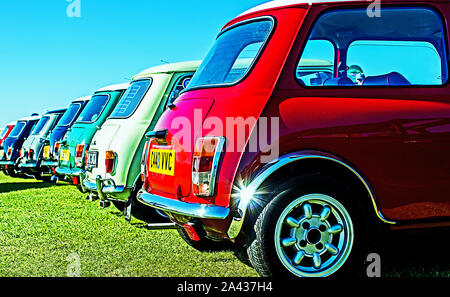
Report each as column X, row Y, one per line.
column 309, row 129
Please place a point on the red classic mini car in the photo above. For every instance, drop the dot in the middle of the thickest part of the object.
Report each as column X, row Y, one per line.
column 310, row 127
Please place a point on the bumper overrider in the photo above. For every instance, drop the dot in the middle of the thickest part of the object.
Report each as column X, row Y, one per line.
column 103, row 187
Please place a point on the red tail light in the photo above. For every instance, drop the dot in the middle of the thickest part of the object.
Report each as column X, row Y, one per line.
column 144, row 161
column 79, row 151
column 9, row 153
column 56, row 149
column 205, row 162
column 30, row 154
column 110, row 161
column 79, row 155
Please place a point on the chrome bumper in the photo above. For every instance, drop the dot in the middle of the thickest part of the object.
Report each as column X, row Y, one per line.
column 70, row 172
column 7, row 163
column 102, row 187
column 202, row 211
column 28, row 165
column 49, row 164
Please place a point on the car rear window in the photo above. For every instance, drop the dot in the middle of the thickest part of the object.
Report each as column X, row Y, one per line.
column 233, row 54
column 93, row 109
column 17, row 129
column 40, row 125
column 70, row 115
column 131, row 99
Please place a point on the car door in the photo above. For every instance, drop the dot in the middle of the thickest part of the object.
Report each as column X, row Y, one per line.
column 390, row 121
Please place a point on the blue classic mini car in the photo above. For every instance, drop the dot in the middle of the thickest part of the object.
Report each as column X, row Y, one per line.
column 52, row 143
column 33, row 147
column 10, row 151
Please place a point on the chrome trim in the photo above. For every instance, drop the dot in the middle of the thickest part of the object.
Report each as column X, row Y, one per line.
column 69, row 172
column 7, row 163
column 91, row 187
column 28, row 165
column 101, row 189
column 202, row 211
column 240, row 212
column 99, row 186
column 50, row 164
column 113, row 189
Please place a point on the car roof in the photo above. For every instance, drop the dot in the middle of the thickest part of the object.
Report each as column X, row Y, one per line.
column 112, row 88
column 86, row 98
column 56, row 111
column 32, row 118
column 12, row 124
column 170, row 68
column 283, row 3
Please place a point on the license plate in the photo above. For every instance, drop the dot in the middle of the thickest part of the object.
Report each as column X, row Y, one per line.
column 91, row 159
column 65, row 155
column 162, row 162
column 46, row 152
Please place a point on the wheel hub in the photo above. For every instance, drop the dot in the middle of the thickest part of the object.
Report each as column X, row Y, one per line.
column 316, row 227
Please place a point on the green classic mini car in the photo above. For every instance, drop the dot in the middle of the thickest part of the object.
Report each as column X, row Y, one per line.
column 113, row 162
column 78, row 138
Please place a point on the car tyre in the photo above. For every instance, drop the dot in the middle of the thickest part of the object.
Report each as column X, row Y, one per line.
column 315, row 226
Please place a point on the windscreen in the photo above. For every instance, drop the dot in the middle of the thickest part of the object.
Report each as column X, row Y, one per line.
column 40, row 125
column 70, row 115
column 17, row 129
column 93, row 109
column 233, row 54
column 131, row 99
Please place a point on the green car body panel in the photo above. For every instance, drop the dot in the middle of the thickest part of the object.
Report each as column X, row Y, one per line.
column 125, row 136
column 89, row 122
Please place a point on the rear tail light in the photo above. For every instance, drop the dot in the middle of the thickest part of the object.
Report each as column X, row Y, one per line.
column 56, row 149
column 144, row 161
column 79, row 155
column 205, row 162
column 9, row 153
column 110, row 161
column 30, row 154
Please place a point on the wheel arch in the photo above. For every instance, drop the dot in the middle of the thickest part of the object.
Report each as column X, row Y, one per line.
column 297, row 164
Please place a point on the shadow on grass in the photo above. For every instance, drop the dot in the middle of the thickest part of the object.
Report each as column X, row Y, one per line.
column 416, row 253
column 14, row 187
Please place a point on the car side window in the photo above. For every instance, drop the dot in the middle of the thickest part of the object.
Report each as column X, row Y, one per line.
column 317, row 63
column 347, row 48
column 180, row 85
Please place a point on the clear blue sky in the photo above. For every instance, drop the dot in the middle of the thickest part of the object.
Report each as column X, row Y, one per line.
column 47, row 59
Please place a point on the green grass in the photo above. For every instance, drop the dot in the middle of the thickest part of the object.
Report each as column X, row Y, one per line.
column 41, row 225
